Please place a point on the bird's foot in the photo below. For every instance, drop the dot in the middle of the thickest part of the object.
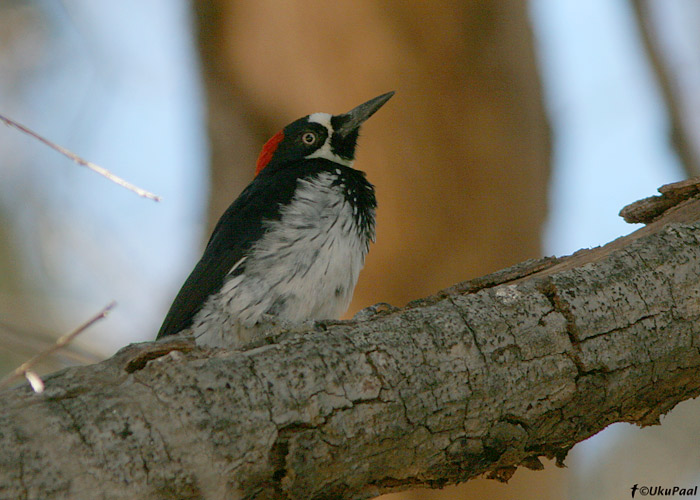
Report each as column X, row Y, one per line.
column 369, row 312
column 272, row 329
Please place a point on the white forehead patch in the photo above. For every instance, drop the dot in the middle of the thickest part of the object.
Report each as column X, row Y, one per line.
column 325, row 150
column 322, row 118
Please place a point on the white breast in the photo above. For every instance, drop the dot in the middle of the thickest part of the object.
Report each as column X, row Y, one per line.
column 304, row 267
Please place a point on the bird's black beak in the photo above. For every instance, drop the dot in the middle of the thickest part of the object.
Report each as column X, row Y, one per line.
column 352, row 120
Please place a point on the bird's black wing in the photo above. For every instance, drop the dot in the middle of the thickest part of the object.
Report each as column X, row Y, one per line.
column 238, row 228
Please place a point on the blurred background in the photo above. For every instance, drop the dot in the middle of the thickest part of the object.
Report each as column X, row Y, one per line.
column 518, row 129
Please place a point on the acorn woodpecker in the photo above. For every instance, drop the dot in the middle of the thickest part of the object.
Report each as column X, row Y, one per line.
column 293, row 244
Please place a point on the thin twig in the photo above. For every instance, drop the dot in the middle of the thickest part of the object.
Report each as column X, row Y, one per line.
column 14, row 339
column 25, row 369
column 80, row 161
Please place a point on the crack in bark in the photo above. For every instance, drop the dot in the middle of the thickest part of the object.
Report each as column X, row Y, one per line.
column 25, row 490
column 75, row 425
column 625, row 327
column 164, row 404
column 550, row 291
column 471, row 332
column 638, row 257
column 384, row 384
column 278, row 455
column 250, row 363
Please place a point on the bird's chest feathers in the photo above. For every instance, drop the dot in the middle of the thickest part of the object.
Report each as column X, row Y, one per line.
column 310, row 259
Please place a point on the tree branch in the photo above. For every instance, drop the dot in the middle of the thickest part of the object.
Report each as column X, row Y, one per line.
column 25, row 369
column 481, row 378
column 80, row 161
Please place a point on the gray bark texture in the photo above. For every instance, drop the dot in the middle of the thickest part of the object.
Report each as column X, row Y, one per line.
column 480, row 378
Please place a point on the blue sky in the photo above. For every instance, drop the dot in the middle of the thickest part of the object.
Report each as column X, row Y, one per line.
column 132, row 104
column 609, row 125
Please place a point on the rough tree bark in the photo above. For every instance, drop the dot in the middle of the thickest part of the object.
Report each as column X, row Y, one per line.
column 481, row 378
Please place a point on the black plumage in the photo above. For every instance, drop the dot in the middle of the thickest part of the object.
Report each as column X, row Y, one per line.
column 293, row 243
column 242, row 224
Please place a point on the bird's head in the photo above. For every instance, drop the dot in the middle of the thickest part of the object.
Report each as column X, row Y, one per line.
column 320, row 135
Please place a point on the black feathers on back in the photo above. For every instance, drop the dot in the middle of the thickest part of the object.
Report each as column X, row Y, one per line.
column 243, row 224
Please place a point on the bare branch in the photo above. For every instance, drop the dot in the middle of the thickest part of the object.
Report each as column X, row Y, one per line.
column 483, row 377
column 25, row 369
column 80, row 161
column 25, row 342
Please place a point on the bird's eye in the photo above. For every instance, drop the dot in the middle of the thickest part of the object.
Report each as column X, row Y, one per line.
column 308, row 138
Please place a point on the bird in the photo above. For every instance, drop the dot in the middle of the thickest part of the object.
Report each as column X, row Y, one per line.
column 292, row 245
